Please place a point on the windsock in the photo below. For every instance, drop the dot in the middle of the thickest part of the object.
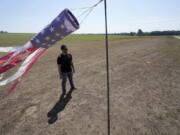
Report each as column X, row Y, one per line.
column 63, row 25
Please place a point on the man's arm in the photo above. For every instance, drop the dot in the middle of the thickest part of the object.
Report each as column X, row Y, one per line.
column 59, row 66
column 59, row 70
column 72, row 64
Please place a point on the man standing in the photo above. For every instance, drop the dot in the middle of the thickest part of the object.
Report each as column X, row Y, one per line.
column 66, row 68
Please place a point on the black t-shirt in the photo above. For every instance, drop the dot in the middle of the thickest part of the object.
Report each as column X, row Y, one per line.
column 66, row 62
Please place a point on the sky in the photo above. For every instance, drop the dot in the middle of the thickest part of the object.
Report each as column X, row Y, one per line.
column 30, row 16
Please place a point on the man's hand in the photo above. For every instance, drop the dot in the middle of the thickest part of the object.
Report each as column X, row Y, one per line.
column 60, row 76
column 59, row 70
column 73, row 69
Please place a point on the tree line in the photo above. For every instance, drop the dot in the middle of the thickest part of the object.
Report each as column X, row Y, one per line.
column 153, row 33
column 3, row 31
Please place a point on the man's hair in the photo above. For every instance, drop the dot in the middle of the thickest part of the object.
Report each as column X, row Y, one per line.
column 63, row 47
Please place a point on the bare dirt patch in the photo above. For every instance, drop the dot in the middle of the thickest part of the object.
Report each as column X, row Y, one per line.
column 145, row 84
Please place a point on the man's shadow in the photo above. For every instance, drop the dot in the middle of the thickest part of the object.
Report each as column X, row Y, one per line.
column 59, row 107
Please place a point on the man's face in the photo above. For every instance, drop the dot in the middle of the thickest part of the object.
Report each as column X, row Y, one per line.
column 65, row 50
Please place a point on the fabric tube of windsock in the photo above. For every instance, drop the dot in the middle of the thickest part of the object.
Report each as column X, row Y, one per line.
column 63, row 25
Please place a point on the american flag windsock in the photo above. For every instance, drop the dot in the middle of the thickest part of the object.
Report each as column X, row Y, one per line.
column 63, row 25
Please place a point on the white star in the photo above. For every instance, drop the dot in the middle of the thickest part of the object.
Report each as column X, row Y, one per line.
column 62, row 37
column 47, row 38
column 58, row 19
column 68, row 31
column 57, row 34
column 37, row 41
column 52, row 29
column 49, row 45
column 53, row 40
column 62, row 26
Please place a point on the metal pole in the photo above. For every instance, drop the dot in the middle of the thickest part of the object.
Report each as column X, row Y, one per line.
column 107, row 68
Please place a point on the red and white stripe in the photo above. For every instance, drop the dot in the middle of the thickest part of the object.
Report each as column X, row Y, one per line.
column 27, row 55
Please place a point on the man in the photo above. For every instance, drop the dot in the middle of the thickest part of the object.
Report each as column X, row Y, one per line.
column 66, row 68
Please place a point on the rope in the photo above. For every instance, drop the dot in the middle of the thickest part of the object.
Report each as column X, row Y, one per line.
column 87, row 11
column 107, row 68
column 98, row 3
column 83, row 13
column 72, row 9
column 86, row 16
column 93, row 6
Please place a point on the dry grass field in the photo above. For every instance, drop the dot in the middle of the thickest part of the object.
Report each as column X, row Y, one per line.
column 144, row 86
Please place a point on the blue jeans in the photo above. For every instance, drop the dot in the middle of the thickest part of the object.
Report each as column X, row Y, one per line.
column 66, row 75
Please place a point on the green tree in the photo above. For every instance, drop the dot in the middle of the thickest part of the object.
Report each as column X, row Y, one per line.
column 140, row 33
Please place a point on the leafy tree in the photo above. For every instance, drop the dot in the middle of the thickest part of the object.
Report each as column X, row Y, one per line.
column 140, row 33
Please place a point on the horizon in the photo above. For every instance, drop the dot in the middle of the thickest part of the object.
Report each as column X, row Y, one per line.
column 6, row 32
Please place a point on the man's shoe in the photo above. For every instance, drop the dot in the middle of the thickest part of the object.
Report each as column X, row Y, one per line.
column 73, row 88
column 53, row 119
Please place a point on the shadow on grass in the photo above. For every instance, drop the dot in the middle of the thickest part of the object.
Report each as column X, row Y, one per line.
column 59, row 107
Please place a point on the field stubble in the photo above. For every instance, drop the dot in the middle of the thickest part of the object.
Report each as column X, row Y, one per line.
column 144, row 81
